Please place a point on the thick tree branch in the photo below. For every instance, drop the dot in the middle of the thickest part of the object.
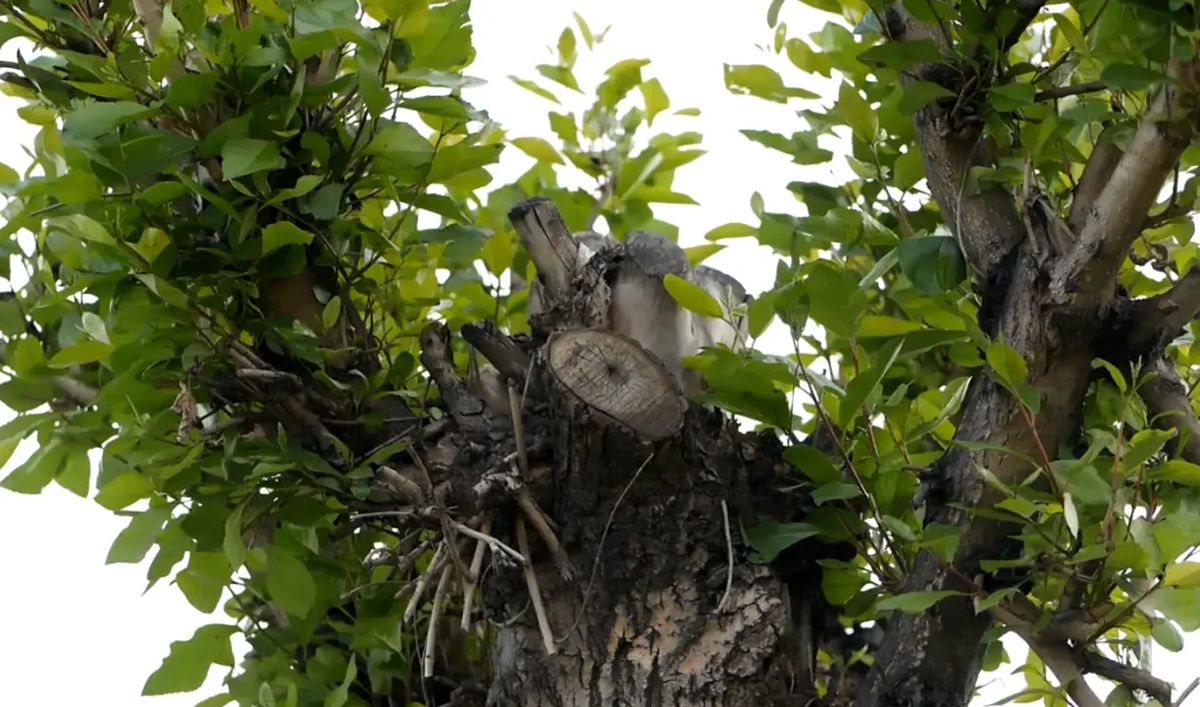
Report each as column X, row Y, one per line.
column 1057, row 656
column 1114, row 219
column 1099, row 169
column 1160, row 318
column 1027, row 11
column 1167, row 402
column 1133, row 678
column 986, row 224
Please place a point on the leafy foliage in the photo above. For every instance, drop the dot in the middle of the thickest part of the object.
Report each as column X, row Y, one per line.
column 183, row 185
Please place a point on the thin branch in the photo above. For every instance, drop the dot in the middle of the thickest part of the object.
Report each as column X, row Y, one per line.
column 475, row 569
column 729, row 558
column 1051, row 94
column 535, row 592
column 435, row 618
column 435, row 566
column 495, row 545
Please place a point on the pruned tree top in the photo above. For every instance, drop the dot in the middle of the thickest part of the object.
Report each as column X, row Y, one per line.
column 522, row 483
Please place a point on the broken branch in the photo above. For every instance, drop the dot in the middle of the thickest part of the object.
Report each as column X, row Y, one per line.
column 552, row 248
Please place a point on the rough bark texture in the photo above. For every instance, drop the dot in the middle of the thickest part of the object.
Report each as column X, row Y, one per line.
column 642, row 626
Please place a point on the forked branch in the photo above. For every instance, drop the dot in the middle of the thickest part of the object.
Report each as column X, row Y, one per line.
column 1115, row 218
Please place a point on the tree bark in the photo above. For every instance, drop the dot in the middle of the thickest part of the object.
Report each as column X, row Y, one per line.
column 648, row 622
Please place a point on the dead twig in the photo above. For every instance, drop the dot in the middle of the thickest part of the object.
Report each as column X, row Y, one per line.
column 535, row 592
column 435, row 617
column 470, row 581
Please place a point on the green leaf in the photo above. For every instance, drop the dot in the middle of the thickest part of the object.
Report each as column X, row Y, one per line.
column 769, row 538
column 1143, row 446
column 1007, row 363
column 698, row 254
column 692, row 297
column 933, row 264
column 836, row 491
column 93, row 119
column 1185, row 575
column 538, row 149
column 37, row 472
column 204, row 579
column 1166, row 634
column 655, row 98
column 132, row 543
column 874, row 325
column 191, row 91
column 812, row 463
column 123, row 490
column 857, row 113
column 731, row 230
column 338, row 696
column 1013, row 96
column 400, row 142
column 283, row 233
column 920, row 94
column 152, row 242
column 233, row 544
column 84, row 228
column 761, row 82
column 289, row 582
column 901, row 55
column 534, row 88
column 186, row 666
column 242, row 156
column 75, row 475
column 89, row 351
column 915, row 602
column 1129, row 77
column 861, row 387
column 331, row 312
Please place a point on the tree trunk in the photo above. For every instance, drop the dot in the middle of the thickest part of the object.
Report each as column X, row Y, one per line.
column 650, row 620
column 652, row 600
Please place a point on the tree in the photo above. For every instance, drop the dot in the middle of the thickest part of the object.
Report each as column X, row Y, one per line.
column 229, row 290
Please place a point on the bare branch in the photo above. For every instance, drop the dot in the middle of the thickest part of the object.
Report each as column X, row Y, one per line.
column 468, row 410
column 499, row 349
column 1114, row 220
column 552, row 248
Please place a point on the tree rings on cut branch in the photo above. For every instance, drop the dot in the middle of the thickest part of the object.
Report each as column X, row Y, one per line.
column 613, row 375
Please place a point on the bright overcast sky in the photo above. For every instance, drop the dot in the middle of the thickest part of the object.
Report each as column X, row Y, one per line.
column 79, row 632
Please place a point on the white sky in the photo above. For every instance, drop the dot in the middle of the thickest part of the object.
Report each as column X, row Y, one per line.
column 79, row 632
